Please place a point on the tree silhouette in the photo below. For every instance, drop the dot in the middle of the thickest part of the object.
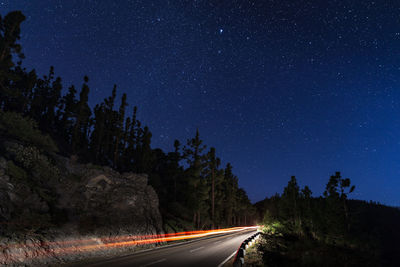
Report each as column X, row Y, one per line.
column 82, row 120
column 119, row 130
column 212, row 164
column 196, row 184
column 230, row 188
column 290, row 203
column 66, row 115
column 336, row 196
column 9, row 35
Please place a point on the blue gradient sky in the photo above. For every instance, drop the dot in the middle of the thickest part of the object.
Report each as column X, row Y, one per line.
column 280, row 88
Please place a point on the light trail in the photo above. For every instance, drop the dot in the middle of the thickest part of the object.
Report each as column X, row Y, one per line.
column 126, row 237
column 99, row 243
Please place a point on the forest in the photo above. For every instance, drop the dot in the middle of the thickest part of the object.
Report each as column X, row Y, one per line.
column 329, row 230
column 195, row 191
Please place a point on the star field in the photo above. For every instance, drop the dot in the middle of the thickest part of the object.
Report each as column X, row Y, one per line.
column 280, row 88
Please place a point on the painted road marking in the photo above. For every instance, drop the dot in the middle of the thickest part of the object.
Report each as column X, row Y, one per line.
column 227, row 259
column 217, row 242
column 196, row 249
column 154, row 262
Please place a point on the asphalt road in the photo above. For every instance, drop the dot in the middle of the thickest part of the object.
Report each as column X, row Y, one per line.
column 212, row 251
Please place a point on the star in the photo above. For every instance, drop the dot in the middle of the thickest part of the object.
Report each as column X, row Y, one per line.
column 242, row 70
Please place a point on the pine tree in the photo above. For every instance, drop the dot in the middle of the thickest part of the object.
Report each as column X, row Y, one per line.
column 196, row 185
column 230, row 185
column 19, row 91
column 244, row 208
column 97, row 136
column 175, row 157
column 66, row 115
column 126, row 133
column 119, row 130
column 212, row 164
column 109, row 118
column 52, row 103
column 130, row 142
column 9, row 35
column 133, row 131
column 346, row 183
column 82, row 121
column 306, row 211
column 124, row 158
column 219, row 196
column 337, row 211
column 290, row 204
column 46, row 100
column 39, row 106
column 143, row 151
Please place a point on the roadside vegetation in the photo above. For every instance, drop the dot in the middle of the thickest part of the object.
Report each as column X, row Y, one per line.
column 301, row 230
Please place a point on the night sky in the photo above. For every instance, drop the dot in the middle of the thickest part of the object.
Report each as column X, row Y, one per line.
column 280, row 88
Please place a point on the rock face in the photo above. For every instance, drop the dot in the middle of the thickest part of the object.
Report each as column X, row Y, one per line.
column 104, row 197
column 76, row 214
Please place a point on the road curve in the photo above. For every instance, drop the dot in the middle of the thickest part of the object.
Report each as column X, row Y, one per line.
column 212, row 251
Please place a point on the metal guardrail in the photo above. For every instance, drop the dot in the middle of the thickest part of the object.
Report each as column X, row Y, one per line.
column 241, row 252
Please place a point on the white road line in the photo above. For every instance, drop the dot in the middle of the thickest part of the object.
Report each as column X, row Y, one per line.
column 227, row 259
column 154, row 262
column 217, row 242
column 196, row 249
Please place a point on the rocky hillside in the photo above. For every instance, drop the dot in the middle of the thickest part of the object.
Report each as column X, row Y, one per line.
column 52, row 209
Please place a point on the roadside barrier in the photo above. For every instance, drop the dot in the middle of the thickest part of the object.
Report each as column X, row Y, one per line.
column 241, row 252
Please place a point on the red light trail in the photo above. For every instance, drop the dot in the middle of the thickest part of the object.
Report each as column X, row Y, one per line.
column 26, row 251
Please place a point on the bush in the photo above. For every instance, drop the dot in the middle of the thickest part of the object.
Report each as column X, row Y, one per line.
column 16, row 172
column 15, row 126
column 37, row 164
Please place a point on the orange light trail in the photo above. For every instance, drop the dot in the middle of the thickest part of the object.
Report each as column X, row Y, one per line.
column 90, row 245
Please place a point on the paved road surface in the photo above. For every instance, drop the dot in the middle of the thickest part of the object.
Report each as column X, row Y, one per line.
column 204, row 252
